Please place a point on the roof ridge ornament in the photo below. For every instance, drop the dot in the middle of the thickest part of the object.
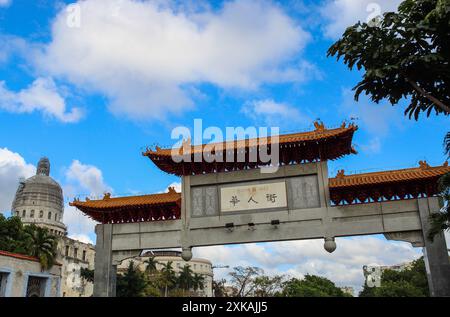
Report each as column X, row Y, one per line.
column 172, row 190
column 320, row 126
column 423, row 165
column 340, row 174
column 186, row 146
column 107, row 196
column 445, row 164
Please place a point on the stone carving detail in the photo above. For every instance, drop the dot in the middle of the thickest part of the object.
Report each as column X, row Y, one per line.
column 204, row 201
column 210, row 201
column 197, row 202
column 303, row 192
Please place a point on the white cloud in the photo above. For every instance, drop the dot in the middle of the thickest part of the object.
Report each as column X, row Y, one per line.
column 297, row 258
column 12, row 168
column 340, row 14
column 80, row 226
column 273, row 113
column 42, row 95
column 87, row 178
column 10, row 45
column 145, row 56
column 372, row 146
column 5, row 3
column 81, row 237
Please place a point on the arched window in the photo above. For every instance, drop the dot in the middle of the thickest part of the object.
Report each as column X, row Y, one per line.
column 32, row 214
column 24, row 213
column 17, row 213
column 41, row 214
column 56, row 217
column 49, row 215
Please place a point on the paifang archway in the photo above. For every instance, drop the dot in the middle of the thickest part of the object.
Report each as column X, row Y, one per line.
column 239, row 202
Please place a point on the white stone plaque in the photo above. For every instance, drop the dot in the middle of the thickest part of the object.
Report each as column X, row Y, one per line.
column 250, row 197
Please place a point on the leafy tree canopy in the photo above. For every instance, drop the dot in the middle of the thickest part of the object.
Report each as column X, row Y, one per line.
column 405, row 54
column 29, row 240
column 132, row 283
column 312, row 286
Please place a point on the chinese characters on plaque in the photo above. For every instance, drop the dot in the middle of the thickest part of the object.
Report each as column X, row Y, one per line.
column 250, row 197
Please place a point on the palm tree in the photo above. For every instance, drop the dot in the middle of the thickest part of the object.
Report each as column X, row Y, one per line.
column 198, row 282
column 41, row 244
column 168, row 275
column 151, row 265
column 186, row 279
column 132, row 283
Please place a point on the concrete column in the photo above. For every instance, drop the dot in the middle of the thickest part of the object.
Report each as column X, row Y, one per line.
column 435, row 253
column 105, row 271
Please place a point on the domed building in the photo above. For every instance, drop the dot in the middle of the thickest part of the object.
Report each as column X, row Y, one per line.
column 39, row 200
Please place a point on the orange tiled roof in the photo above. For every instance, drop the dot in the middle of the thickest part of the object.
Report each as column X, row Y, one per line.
column 422, row 172
column 320, row 144
column 154, row 207
column 23, row 257
column 19, row 256
column 319, row 133
column 131, row 201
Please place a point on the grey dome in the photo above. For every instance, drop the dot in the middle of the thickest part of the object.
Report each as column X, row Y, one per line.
column 39, row 200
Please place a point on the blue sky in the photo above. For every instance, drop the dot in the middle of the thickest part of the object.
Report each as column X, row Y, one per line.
column 91, row 85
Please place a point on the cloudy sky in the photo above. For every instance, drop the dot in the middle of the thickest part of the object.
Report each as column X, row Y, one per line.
column 91, row 83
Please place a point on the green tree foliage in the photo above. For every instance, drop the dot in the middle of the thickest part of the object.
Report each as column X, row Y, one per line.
column 198, row 282
column 268, row 286
column 404, row 55
column 156, row 283
column 87, row 274
column 41, row 244
column 411, row 282
column 169, row 277
column 12, row 235
column 186, row 278
column 151, row 265
column 29, row 240
column 132, row 283
column 312, row 286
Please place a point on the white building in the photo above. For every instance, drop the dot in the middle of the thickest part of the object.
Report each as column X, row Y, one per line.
column 199, row 266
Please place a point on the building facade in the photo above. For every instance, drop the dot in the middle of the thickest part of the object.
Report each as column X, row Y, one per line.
column 21, row 276
column 373, row 273
column 74, row 256
column 198, row 266
column 39, row 200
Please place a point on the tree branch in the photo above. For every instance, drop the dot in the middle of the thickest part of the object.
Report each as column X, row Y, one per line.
column 434, row 100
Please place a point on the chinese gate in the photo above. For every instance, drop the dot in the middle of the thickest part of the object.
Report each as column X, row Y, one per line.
column 223, row 203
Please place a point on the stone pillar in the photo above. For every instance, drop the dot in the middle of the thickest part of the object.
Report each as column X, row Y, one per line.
column 105, row 271
column 435, row 253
